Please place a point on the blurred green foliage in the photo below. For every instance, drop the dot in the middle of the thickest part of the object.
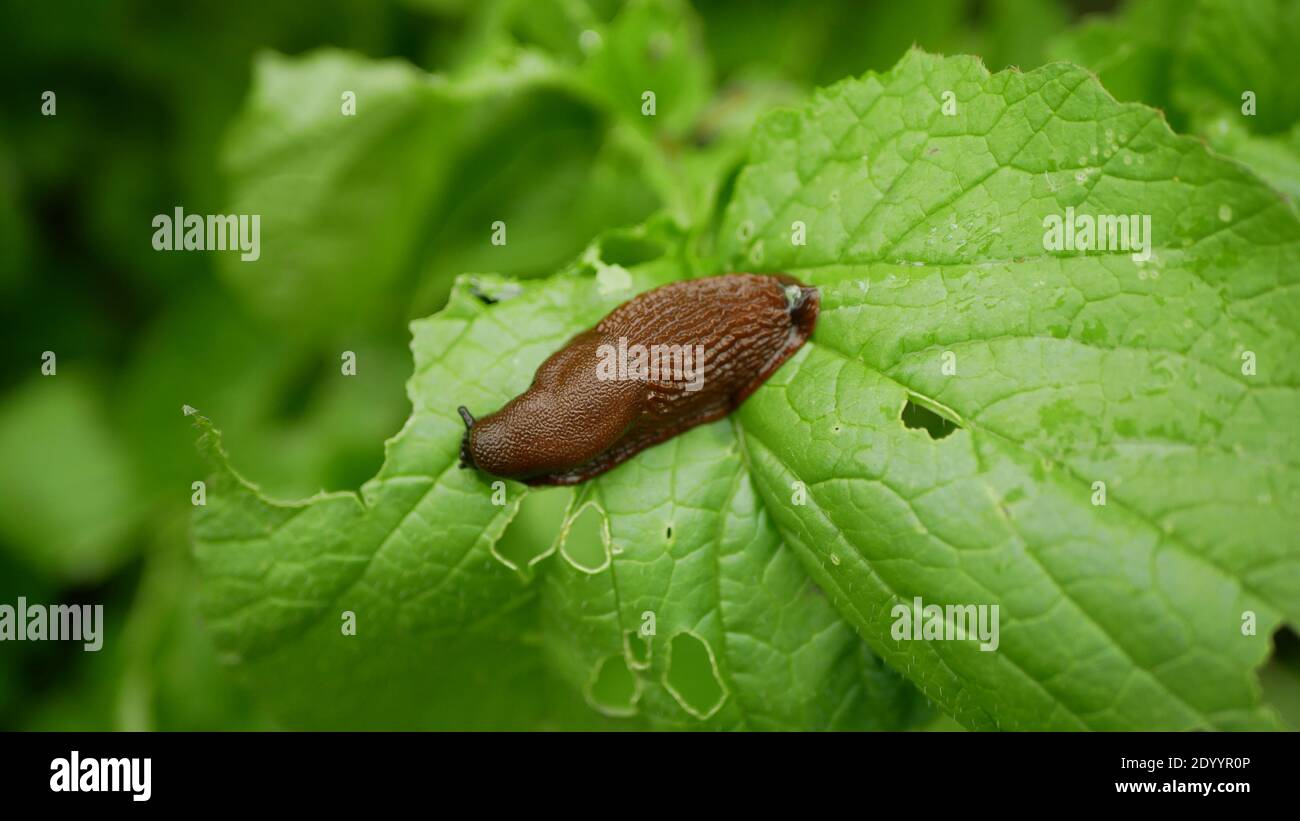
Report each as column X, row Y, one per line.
column 215, row 107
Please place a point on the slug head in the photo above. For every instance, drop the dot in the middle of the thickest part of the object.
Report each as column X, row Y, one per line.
column 804, row 304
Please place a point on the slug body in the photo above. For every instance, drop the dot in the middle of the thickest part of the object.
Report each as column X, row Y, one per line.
column 672, row 358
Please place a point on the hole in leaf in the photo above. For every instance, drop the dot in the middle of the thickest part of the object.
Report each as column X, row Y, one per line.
column 692, row 678
column 584, row 545
column 614, row 688
column 482, row 295
column 532, row 531
column 1280, row 677
column 922, row 418
column 638, row 649
column 496, row 292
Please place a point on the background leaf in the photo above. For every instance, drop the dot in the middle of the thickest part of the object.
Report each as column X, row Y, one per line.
column 1196, row 61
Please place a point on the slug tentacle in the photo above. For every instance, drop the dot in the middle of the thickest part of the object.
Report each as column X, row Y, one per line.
column 466, row 456
column 672, row 358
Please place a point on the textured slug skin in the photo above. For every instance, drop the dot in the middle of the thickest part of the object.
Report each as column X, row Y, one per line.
column 570, row 425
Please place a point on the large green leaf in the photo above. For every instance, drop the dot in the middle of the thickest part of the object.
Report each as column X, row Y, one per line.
column 925, row 233
column 890, row 475
column 453, row 632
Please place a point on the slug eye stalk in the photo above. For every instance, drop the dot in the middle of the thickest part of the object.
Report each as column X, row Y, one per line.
column 466, row 456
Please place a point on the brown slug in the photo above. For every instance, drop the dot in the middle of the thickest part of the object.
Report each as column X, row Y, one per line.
column 667, row 360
